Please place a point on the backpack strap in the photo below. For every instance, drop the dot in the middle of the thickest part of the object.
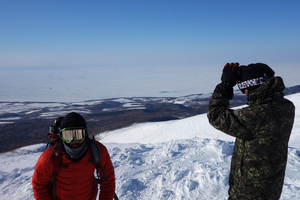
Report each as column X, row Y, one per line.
column 95, row 159
column 57, row 166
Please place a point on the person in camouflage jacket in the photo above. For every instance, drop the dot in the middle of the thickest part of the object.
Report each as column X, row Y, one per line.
column 262, row 130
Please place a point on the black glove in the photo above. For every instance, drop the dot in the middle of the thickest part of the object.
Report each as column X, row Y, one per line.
column 231, row 74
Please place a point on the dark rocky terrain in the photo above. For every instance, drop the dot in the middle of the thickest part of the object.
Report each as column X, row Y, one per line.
column 27, row 123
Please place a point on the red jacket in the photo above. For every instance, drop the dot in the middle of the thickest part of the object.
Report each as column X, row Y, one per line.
column 75, row 182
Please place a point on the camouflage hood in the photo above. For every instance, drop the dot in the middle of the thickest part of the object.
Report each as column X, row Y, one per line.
column 269, row 90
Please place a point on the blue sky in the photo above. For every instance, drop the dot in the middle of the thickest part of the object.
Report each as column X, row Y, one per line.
column 148, row 34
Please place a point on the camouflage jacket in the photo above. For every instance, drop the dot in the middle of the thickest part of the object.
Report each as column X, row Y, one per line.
column 262, row 131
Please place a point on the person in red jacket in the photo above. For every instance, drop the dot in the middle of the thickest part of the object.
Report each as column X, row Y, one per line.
column 75, row 179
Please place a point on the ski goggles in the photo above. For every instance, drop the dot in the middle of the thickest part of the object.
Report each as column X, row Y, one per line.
column 76, row 133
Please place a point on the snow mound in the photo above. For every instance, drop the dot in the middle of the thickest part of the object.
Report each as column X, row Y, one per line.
column 183, row 169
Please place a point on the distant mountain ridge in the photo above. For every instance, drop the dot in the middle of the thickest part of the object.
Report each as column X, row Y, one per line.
column 26, row 123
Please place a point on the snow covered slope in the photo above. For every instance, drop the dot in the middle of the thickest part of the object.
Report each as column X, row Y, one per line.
column 180, row 159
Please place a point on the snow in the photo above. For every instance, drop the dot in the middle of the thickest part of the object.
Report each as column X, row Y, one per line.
column 159, row 132
column 179, row 159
